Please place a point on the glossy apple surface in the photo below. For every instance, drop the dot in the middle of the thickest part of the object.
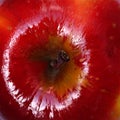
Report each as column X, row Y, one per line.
column 60, row 60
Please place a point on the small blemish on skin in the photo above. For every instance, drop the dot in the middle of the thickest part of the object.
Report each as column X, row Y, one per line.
column 45, row 24
column 91, row 77
column 104, row 91
column 97, row 14
column 81, row 60
column 97, row 78
column 9, row 28
column 114, row 25
column 10, row 103
column 111, row 37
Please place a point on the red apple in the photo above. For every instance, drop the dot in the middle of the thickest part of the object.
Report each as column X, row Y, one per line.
column 59, row 59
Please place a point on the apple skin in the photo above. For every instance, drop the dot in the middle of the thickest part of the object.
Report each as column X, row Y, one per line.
column 98, row 23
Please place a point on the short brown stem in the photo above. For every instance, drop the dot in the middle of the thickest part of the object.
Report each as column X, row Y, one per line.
column 61, row 58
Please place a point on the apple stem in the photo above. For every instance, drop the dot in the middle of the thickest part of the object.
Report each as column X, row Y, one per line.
column 62, row 57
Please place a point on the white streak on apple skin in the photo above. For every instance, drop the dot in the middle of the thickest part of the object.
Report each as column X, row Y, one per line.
column 2, row 117
column 118, row 1
column 52, row 7
column 1, row 2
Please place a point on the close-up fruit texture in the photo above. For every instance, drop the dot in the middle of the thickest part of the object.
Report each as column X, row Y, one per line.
column 59, row 59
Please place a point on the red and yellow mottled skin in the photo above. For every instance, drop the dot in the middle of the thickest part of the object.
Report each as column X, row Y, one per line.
column 89, row 31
